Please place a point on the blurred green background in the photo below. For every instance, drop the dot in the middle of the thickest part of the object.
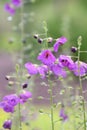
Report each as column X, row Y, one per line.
column 63, row 17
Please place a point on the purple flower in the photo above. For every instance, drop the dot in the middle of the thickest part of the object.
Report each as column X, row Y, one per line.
column 59, row 42
column 43, row 69
column 63, row 114
column 32, row 68
column 25, row 96
column 9, row 9
column 11, row 99
column 16, row 2
column 7, row 124
column 46, row 57
column 65, row 61
column 6, row 107
column 58, row 70
column 80, row 68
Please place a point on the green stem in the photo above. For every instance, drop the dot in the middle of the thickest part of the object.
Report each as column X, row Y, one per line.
column 51, row 103
column 81, row 90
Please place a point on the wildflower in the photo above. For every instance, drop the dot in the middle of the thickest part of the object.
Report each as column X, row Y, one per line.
column 25, row 96
column 6, row 107
column 7, row 124
column 66, row 61
column 60, row 41
column 80, row 68
column 11, row 99
column 9, row 9
column 43, row 69
column 49, row 40
column 58, row 70
column 63, row 115
column 16, row 3
column 32, row 68
column 46, row 57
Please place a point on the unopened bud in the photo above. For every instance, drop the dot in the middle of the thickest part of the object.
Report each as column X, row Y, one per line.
column 25, row 85
column 10, row 83
column 40, row 40
column 28, row 76
column 36, row 36
column 49, row 40
column 73, row 49
column 7, row 77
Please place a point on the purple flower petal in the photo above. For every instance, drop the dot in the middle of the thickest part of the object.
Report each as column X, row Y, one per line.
column 32, row 68
column 46, row 57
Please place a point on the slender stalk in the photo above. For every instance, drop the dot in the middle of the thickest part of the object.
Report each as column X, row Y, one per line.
column 51, row 103
column 81, row 89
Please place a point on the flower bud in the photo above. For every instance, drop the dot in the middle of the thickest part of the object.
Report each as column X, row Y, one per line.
column 49, row 40
column 7, row 124
column 36, row 36
column 73, row 49
column 25, row 85
column 40, row 40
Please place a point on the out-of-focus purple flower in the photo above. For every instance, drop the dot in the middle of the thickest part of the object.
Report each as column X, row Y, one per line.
column 60, row 41
column 11, row 99
column 7, row 124
column 16, row 3
column 46, row 57
column 80, row 68
column 43, row 69
column 6, row 107
column 63, row 115
column 65, row 61
column 58, row 71
column 25, row 96
column 9, row 9
column 32, row 68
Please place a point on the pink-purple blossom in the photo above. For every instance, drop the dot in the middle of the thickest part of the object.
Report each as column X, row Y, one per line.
column 46, row 57
column 58, row 70
column 16, row 2
column 9, row 8
column 80, row 68
column 60, row 41
column 7, row 124
column 42, row 70
column 11, row 99
column 25, row 96
column 32, row 68
column 66, row 61
column 63, row 115
column 6, row 107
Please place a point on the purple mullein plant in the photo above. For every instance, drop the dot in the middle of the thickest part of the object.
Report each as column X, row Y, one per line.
column 60, row 41
column 7, row 124
column 8, row 8
column 46, row 57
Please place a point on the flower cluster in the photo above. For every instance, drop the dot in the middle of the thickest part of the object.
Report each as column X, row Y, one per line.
column 10, row 101
column 57, row 66
column 11, row 7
